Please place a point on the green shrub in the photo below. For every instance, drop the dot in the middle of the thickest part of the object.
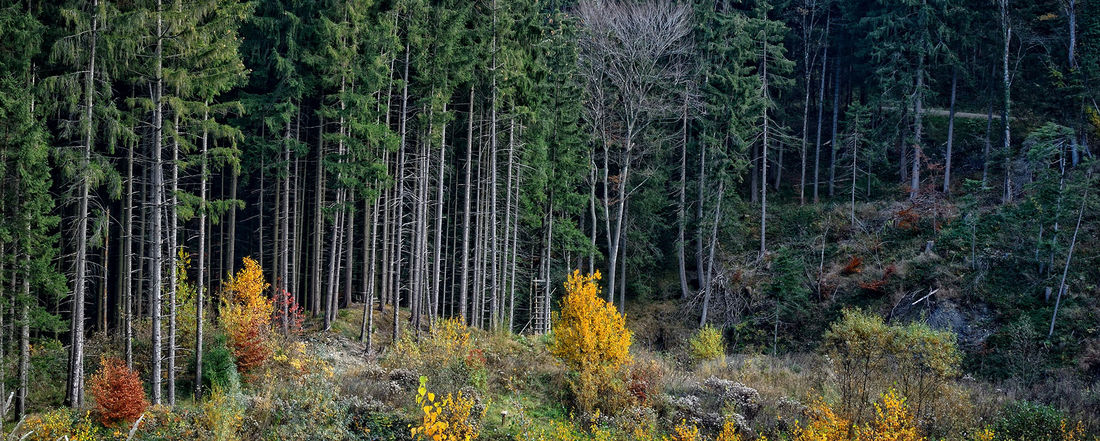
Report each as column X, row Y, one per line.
column 1024, row 420
column 219, row 367
column 707, row 344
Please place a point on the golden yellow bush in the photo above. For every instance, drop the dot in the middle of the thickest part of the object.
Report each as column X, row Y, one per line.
column 449, row 419
column 590, row 337
column 728, row 432
column 824, row 425
column 985, row 434
column 893, row 421
column 684, row 432
column 245, row 315
column 707, row 344
column 60, row 424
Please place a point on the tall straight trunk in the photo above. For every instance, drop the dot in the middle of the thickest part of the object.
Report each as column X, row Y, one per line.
column 230, row 256
column 699, row 188
column 681, row 217
column 349, row 247
column 832, row 143
column 200, row 289
column 464, row 289
column 334, row 261
column 1069, row 254
column 950, row 132
column 820, row 111
column 855, row 154
column 918, row 129
column 710, row 257
column 24, row 342
column 156, row 283
column 128, row 252
column 805, row 118
column 284, row 263
column 508, row 205
column 764, row 149
column 547, row 258
column 400, row 200
column 366, row 334
column 318, row 218
column 173, row 225
column 1006, row 84
column 75, row 386
column 617, row 237
column 438, row 253
column 987, row 140
column 592, row 213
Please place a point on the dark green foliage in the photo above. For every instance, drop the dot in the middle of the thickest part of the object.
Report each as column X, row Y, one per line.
column 219, row 367
column 1031, row 421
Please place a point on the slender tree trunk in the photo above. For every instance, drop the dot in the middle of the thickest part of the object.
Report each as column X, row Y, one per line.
column 465, row 283
column 128, row 251
column 1006, row 84
column 1069, row 255
column 710, row 258
column 156, row 260
column 173, row 238
column 681, row 218
column 918, row 128
column 75, row 386
column 400, row 200
column 820, row 111
column 764, row 149
column 833, row 143
column 699, row 198
column 950, row 132
column 200, row 289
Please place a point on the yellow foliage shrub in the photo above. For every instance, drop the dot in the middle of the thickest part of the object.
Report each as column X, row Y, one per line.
column 222, row 415
column 824, row 425
column 707, row 344
column 728, row 432
column 449, row 419
column 893, row 421
column 60, row 424
column 590, row 337
column 245, row 315
column 684, row 432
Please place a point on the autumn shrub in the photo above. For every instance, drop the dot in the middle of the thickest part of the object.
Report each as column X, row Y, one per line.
column 870, row 357
column 684, row 432
column 707, row 344
column 824, row 425
column 893, row 421
column 245, row 316
column 451, row 418
column 61, row 423
column 295, row 318
column 590, row 337
column 221, row 415
column 118, row 392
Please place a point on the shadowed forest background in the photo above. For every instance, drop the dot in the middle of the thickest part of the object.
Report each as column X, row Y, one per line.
column 560, row 220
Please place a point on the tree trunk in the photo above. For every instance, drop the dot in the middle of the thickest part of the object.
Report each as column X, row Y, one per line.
column 200, row 289
column 918, row 128
column 710, row 257
column 820, row 111
column 1069, row 255
column 156, row 247
column 681, row 218
column 950, row 132
column 465, row 283
column 400, row 201
column 833, row 142
column 75, row 386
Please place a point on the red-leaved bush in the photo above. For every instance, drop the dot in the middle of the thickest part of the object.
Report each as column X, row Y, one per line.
column 118, row 392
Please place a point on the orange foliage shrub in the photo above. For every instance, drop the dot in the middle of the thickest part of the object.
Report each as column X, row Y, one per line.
column 118, row 392
column 591, row 338
column 245, row 315
column 854, row 266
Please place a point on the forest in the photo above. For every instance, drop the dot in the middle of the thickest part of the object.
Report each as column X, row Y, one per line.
column 674, row 220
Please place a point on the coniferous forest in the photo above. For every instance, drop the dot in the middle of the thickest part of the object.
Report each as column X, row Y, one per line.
column 550, row 220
